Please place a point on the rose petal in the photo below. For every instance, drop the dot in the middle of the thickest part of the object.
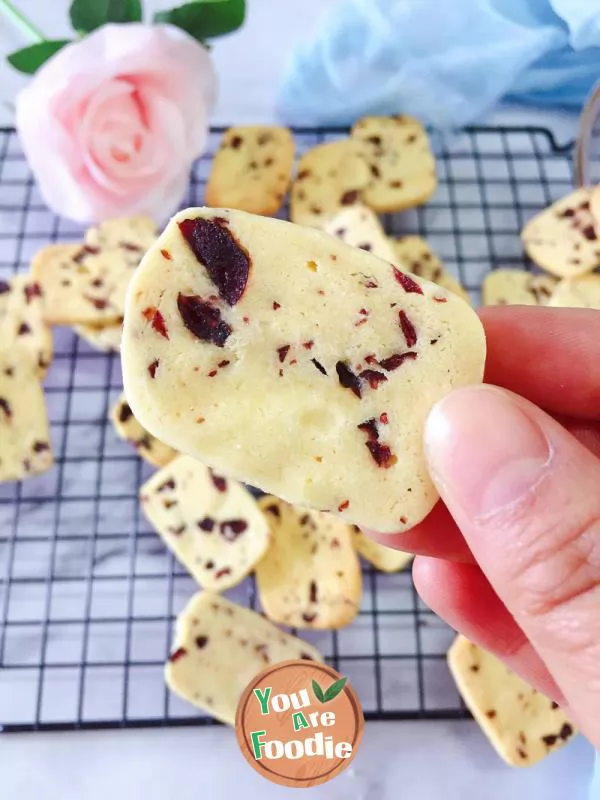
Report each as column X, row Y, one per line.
column 94, row 161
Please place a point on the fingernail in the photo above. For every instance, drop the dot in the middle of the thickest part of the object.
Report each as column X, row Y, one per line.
column 485, row 451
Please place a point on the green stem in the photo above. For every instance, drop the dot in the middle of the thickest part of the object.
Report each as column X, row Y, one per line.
column 20, row 21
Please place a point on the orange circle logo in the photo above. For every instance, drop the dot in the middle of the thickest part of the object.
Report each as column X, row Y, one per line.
column 299, row 723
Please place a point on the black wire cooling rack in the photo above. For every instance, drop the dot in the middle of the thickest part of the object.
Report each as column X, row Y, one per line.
column 88, row 594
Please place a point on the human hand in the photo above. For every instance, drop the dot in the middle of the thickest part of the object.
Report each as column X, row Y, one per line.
column 511, row 555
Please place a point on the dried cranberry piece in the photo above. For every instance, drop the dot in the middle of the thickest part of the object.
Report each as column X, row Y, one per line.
column 166, row 485
column 306, row 657
column 304, row 173
column 40, row 447
column 349, row 198
column 177, row 531
column 308, row 345
column 312, row 592
column 342, row 507
column 396, row 360
column 319, row 366
column 232, row 528
column 549, row 740
column 236, row 142
column 203, row 320
column 383, row 418
column 369, row 427
column 207, row 524
column 166, row 254
column 32, row 290
column 23, row 329
column 201, row 641
column 441, row 299
column 219, row 482
column 382, row 454
column 273, row 509
column 4, row 287
column 566, row 731
column 348, row 379
column 589, row 232
column 177, row 654
column 408, row 329
column 309, row 617
column 5, row 406
column 97, row 302
column 222, row 572
column 153, row 367
column 373, row 377
column 276, row 305
column 282, row 352
column 159, row 325
column 86, row 250
column 376, row 140
column 226, row 261
column 406, row 282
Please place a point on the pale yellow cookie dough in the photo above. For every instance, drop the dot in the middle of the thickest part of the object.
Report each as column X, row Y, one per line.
column 219, row 647
column 523, row 725
column 212, row 524
column 563, row 238
column 401, row 163
column 310, row 576
column 308, row 371
column 252, row 169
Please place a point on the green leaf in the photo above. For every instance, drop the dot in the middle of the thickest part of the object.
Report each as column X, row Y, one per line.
column 334, row 689
column 87, row 15
column 318, row 691
column 30, row 59
column 205, row 19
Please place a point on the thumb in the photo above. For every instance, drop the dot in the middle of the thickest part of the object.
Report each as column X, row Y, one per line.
column 526, row 496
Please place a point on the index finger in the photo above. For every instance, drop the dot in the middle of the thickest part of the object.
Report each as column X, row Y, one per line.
column 548, row 355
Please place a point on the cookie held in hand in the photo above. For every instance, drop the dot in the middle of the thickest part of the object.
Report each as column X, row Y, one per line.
column 282, row 357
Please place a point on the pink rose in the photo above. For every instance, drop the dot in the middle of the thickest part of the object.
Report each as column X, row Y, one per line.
column 111, row 125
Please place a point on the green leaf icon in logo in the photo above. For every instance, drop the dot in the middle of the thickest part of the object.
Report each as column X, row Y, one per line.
column 331, row 693
column 318, row 692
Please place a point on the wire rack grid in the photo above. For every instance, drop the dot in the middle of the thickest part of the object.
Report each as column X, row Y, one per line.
column 88, row 594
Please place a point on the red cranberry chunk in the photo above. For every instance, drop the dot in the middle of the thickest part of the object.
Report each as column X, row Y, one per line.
column 406, row 282
column 348, row 379
column 203, row 320
column 226, row 261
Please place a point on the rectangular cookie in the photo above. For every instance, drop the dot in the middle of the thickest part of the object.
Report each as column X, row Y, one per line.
column 360, row 227
column 385, row 559
column 330, row 177
column 212, row 525
column 510, row 287
column 25, row 446
column 402, row 166
column 22, row 323
column 419, row 258
column 281, row 356
column 129, row 429
column 310, row 576
column 582, row 292
column 85, row 284
column 219, row 647
column 522, row 724
column 563, row 238
column 252, row 169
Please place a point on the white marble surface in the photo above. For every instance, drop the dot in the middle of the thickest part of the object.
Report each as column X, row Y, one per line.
column 424, row 760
